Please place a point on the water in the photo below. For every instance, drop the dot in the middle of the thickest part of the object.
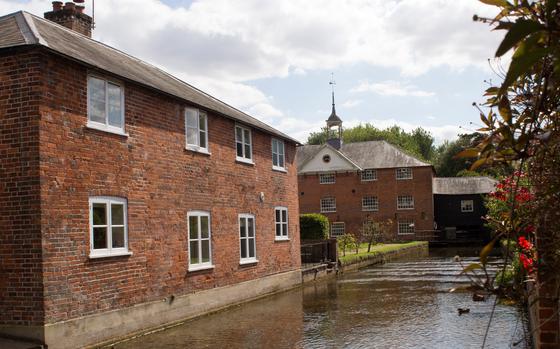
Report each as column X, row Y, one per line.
column 396, row 305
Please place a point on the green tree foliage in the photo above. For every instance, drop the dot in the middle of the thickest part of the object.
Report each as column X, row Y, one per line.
column 313, row 226
column 418, row 142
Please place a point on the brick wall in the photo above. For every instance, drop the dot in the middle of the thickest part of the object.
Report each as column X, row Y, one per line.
column 162, row 182
column 20, row 236
column 349, row 190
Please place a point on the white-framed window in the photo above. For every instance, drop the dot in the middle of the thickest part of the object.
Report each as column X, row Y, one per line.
column 405, row 202
column 108, row 227
column 278, row 155
column 243, row 144
column 338, row 229
column 327, row 178
column 196, row 129
column 200, row 240
column 281, row 223
column 467, row 206
column 370, row 203
column 247, row 240
column 405, row 226
column 105, row 101
column 328, row 204
column 369, row 175
column 404, row 173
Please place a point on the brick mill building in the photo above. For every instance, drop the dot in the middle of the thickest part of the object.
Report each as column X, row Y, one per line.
column 358, row 182
column 128, row 198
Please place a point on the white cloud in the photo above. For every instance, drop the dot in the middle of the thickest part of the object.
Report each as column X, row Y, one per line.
column 351, row 103
column 391, row 88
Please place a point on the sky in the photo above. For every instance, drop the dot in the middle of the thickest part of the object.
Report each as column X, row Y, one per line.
column 403, row 62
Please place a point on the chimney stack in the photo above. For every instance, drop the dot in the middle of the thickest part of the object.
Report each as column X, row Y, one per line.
column 71, row 16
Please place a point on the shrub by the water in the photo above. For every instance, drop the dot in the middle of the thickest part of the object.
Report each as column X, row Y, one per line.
column 314, row 226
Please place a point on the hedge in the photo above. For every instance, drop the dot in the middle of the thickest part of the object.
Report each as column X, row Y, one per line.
column 314, row 226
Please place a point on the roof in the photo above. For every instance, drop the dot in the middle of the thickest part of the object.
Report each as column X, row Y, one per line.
column 463, row 185
column 22, row 28
column 367, row 155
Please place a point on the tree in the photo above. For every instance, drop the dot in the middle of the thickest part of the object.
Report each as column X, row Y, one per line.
column 375, row 231
column 418, row 143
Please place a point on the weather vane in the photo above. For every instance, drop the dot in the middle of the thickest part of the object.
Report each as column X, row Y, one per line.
column 332, row 82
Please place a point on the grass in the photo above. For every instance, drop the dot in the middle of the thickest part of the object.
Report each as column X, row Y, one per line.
column 352, row 256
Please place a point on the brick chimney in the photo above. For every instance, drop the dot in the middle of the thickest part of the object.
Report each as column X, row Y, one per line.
column 72, row 16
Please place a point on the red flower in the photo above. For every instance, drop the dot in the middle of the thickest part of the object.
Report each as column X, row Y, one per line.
column 524, row 244
column 530, row 229
column 526, row 262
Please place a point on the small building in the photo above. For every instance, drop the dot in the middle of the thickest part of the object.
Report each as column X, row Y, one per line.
column 128, row 198
column 459, row 205
column 355, row 183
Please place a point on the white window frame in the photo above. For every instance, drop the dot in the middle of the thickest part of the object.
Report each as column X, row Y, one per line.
column 247, row 260
column 105, row 126
column 405, row 226
column 338, row 229
column 465, row 204
column 283, row 225
column 109, row 251
column 370, row 203
column 405, row 202
column 404, row 173
column 246, row 158
column 202, row 148
column 369, row 175
column 199, row 239
column 328, row 208
column 327, row 178
column 276, row 156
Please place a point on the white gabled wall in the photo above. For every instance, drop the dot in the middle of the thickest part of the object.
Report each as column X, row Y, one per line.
column 337, row 162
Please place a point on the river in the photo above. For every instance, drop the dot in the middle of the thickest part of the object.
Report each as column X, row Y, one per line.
column 396, row 305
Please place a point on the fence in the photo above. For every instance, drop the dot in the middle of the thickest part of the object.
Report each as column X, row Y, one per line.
column 318, row 252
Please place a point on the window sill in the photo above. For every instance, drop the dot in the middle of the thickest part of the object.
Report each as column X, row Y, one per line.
column 97, row 127
column 281, row 239
column 279, row 169
column 369, row 180
column 95, row 255
column 328, row 212
column 244, row 161
column 198, row 150
column 201, row 267
column 369, row 210
column 248, row 261
column 406, row 233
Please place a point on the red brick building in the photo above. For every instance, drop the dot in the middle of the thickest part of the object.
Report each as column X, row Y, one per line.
column 128, row 198
column 358, row 182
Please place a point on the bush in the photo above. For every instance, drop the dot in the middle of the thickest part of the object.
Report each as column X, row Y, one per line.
column 347, row 242
column 313, row 226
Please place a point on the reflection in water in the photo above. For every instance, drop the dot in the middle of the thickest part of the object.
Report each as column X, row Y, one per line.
column 397, row 305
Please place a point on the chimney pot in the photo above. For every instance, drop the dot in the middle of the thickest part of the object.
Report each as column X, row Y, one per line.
column 57, row 5
column 80, row 9
column 79, row 1
column 69, row 6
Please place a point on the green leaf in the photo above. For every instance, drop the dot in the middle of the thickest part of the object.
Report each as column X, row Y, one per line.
column 520, row 65
column 486, row 251
column 518, row 32
column 505, row 109
column 491, row 91
column 477, row 164
column 467, row 153
column 494, row 2
column 471, row 267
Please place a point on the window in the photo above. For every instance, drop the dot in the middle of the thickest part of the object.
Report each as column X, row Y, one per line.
column 247, row 241
column 243, row 144
column 370, row 203
column 404, row 173
column 327, row 178
column 105, row 105
column 278, row 155
column 467, row 206
column 281, row 214
column 196, row 128
column 405, row 227
column 405, row 202
column 108, row 227
column 369, row 175
column 328, row 205
column 200, row 249
column 338, row 229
